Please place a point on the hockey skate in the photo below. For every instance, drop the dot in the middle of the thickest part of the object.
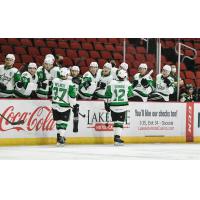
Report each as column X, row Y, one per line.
column 60, row 140
column 118, row 141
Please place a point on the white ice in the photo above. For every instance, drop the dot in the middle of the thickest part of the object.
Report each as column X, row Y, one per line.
column 99, row 152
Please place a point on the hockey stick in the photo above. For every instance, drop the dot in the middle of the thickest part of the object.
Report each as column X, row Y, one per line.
column 12, row 123
column 82, row 115
column 149, row 74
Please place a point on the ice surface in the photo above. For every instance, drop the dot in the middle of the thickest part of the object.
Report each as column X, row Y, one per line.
column 99, row 152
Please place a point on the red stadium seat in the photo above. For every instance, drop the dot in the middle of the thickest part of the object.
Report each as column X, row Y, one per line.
column 197, row 45
column 95, row 54
column 189, row 75
column 18, row 65
column 14, row 41
column 63, row 44
column 91, row 40
column 197, row 60
column 150, row 57
column 98, row 47
column 131, row 49
column 182, row 75
column 106, row 55
column 20, row 50
column 190, row 81
column 103, row 40
column 169, row 44
column 109, row 47
column 51, row 44
column 133, row 71
column 72, row 54
column 26, row 42
column 198, row 74
column 33, row 51
column 27, row 58
column 140, row 57
column 3, row 41
column 83, row 70
column 198, row 83
column 101, row 62
column 60, row 52
column 6, row 49
column 39, row 60
column 89, row 60
column 44, row 51
column 67, row 62
column 130, row 57
column 75, row 45
column 87, row 46
column 83, row 53
column 78, row 62
column 2, row 58
column 113, row 40
column 140, row 50
column 117, row 56
column 39, row 43
column 189, row 53
column 119, row 48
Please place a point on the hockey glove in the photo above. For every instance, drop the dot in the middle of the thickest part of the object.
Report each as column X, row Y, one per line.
column 42, row 85
column 101, row 85
column 144, row 83
column 20, row 84
column 167, row 82
column 76, row 80
column 2, row 86
column 107, row 106
column 87, row 84
column 135, row 82
column 75, row 109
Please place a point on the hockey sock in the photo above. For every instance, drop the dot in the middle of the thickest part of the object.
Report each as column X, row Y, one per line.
column 61, row 127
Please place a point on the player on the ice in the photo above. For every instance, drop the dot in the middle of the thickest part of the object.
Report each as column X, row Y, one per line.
column 27, row 86
column 105, row 78
column 188, row 96
column 89, row 82
column 142, row 84
column 164, row 86
column 9, row 76
column 117, row 93
column 63, row 98
column 44, row 78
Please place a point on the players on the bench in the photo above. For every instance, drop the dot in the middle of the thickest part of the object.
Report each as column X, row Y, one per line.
column 63, row 98
column 9, row 76
column 142, row 84
column 44, row 78
column 90, row 80
column 105, row 78
column 164, row 86
column 27, row 86
column 117, row 93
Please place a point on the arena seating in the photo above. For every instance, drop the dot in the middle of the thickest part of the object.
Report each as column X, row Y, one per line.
column 95, row 49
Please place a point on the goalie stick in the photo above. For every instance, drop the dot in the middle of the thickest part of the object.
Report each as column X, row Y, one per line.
column 12, row 123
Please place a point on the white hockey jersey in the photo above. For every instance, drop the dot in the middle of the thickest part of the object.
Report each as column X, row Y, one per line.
column 29, row 85
column 8, row 76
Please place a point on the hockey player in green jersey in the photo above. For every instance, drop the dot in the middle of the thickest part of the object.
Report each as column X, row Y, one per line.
column 27, row 86
column 123, row 66
column 75, row 76
column 105, row 79
column 142, row 84
column 44, row 78
column 9, row 76
column 188, row 96
column 63, row 98
column 164, row 85
column 90, row 80
column 117, row 93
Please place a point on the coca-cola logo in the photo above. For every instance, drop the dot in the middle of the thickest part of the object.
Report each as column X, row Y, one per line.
column 40, row 119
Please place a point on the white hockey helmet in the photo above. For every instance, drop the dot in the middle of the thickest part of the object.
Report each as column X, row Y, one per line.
column 122, row 74
column 32, row 65
column 75, row 68
column 48, row 61
column 64, row 72
column 124, row 66
column 94, row 64
column 10, row 56
column 143, row 66
column 50, row 56
column 108, row 65
column 167, row 68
